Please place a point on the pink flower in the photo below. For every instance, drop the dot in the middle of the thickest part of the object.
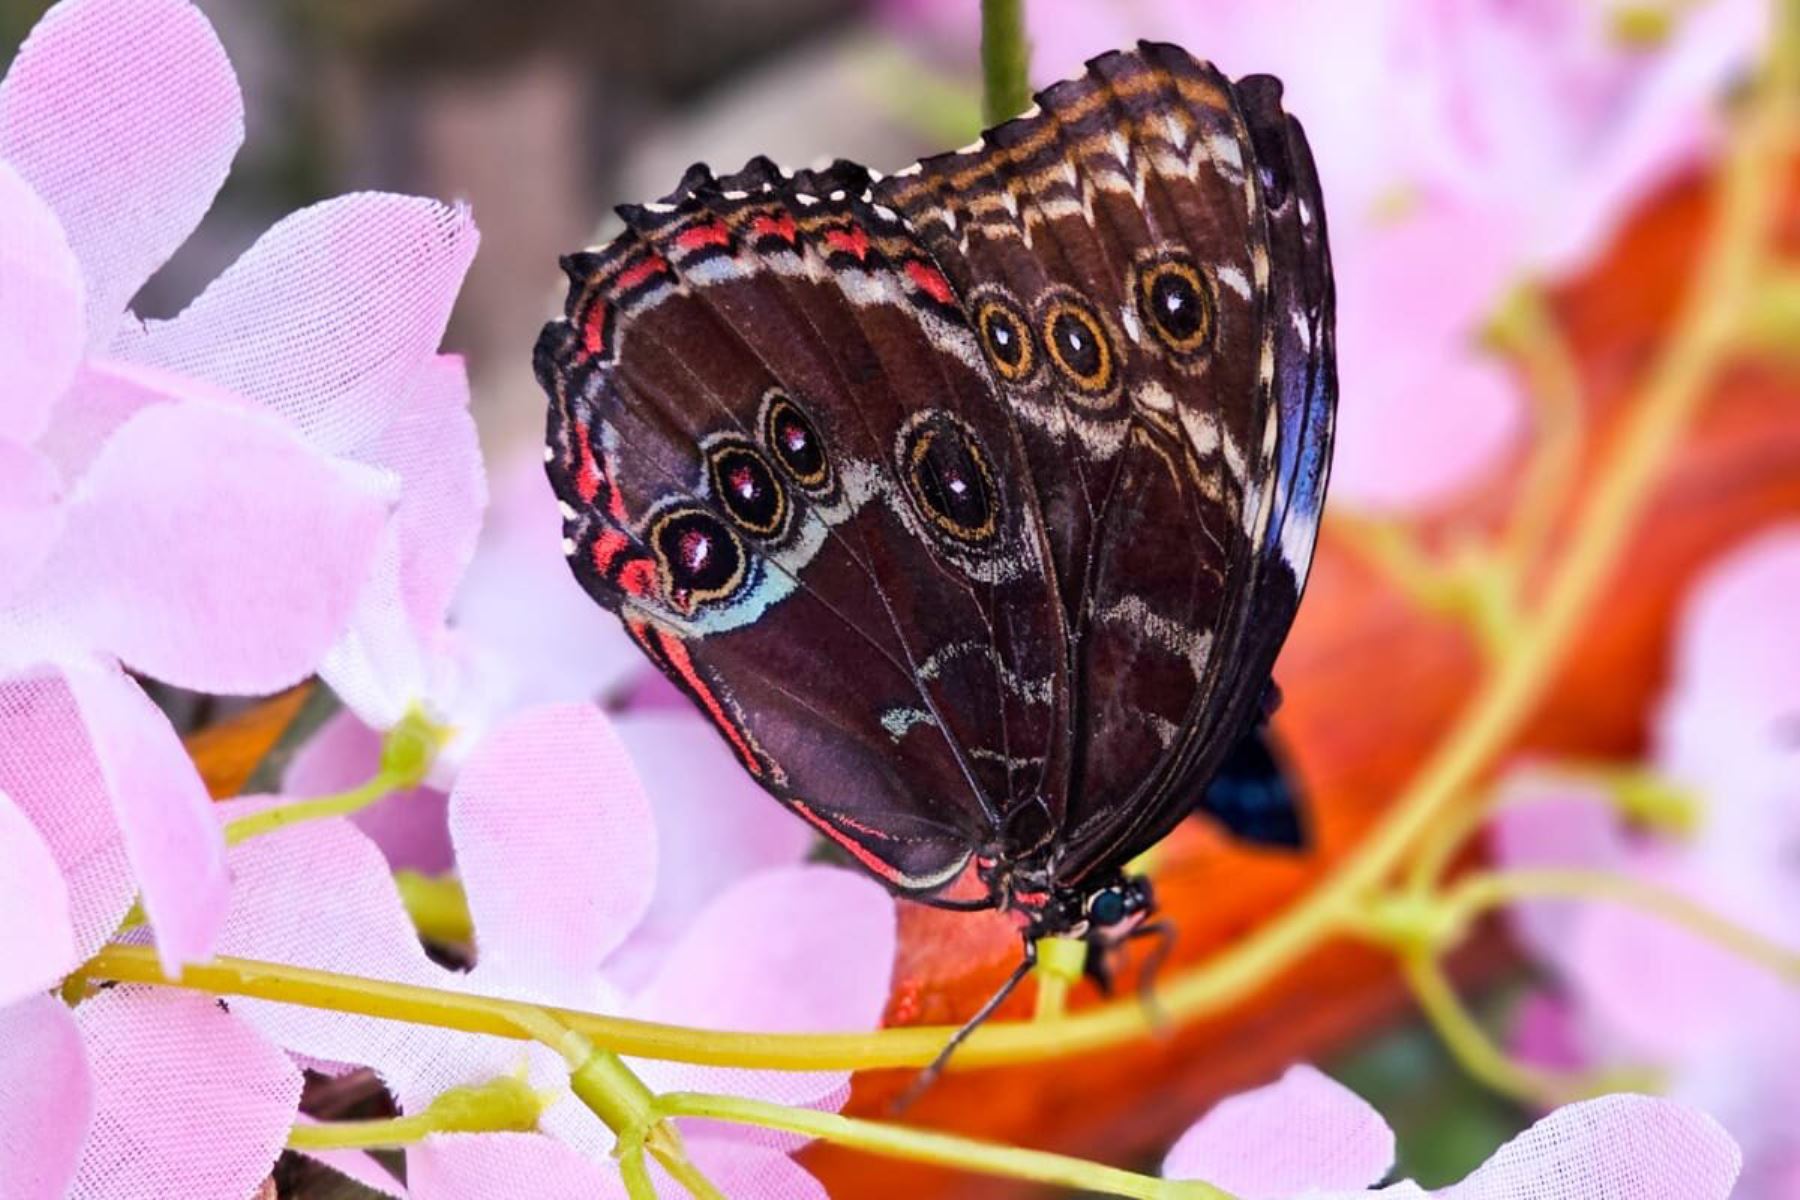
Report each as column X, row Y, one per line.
column 142, row 1093
column 224, row 501
column 1639, row 988
column 1308, row 1136
column 1463, row 146
column 558, row 852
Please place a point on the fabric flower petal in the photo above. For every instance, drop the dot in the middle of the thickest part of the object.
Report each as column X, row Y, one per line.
column 130, row 166
column 329, row 317
column 503, row 1166
column 356, row 1165
column 1305, row 1131
column 411, row 827
column 742, row 961
column 189, row 1100
column 49, row 770
column 711, row 818
column 549, row 810
column 163, row 811
column 433, row 447
column 320, row 895
column 41, row 309
column 521, row 605
column 31, row 519
column 46, row 1099
column 1615, row 1148
column 210, row 547
column 37, row 943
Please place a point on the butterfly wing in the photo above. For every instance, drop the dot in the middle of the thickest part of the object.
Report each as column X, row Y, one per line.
column 1143, row 259
column 782, row 464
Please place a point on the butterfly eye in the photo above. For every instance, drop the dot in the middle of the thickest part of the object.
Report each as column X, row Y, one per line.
column 1175, row 302
column 1006, row 337
column 746, row 487
column 795, row 442
column 948, row 473
column 1078, row 345
column 699, row 558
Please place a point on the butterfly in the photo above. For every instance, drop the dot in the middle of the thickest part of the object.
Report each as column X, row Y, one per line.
column 972, row 504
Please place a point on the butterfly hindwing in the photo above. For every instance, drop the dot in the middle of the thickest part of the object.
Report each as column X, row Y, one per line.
column 973, row 504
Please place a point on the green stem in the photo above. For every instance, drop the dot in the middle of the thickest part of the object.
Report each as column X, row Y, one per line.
column 504, row 1105
column 1005, row 60
column 919, row 1145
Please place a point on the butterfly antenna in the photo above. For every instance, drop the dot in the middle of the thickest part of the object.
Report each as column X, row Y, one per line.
column 918, row 1087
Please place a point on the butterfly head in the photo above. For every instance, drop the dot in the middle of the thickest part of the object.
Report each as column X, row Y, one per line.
column 1103, row 916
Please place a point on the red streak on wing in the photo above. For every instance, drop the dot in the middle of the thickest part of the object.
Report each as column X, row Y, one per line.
column 593, row 329
column 930, row 280
column 607, row 547
column 857, row 850
column 638, row 577
column 781, row 226
column 700, row 236
column 852, row 241
column 587, row 471
column 646, row 267
column 675, row 653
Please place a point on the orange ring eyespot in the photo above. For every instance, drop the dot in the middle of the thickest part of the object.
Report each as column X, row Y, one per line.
column 1176, row 302
column 950, row 479
column 1006, row 339
column 794, row 441
column 698, row 557
column 1078, row 344
column 746, row 487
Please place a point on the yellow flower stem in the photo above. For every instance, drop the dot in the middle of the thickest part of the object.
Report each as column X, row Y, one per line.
column 504, row 1105
column 297, row 812
column 920, row 1145
column 437, row 905
column 636, row 1175
column 1479, row 893
column 1060, row 964
column 1530, row 331
column 664, row 1145
column 1473, row 1050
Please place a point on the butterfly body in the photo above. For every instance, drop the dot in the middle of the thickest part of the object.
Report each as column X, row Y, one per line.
column 971, row 504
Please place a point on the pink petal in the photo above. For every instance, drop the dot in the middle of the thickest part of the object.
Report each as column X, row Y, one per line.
column 355, row 1165
column 1739, row 651
column 711, row 818
column 1304, row 1132
column 320, row 895
column 1426, row 410
column 505, row 1166
column 329, row 317
column 411, row 827
column 1671, row 995
column 124, row 115
column 548, row 805
column 432, row 446
column 1546, row 1033
column 212, row 548
column 37, row 944
column 163, row 812
column 1543, row 822
column 46, row 1099
column 1614, row 1148
column 750, row 961
column 49, row 769
column 31, row 518
column 520, row 603
column 41, row 301
column 190, row 1102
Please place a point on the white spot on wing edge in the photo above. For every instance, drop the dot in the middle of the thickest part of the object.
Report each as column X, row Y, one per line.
column 1234, row 279
column 568, row 547
column 567, row 510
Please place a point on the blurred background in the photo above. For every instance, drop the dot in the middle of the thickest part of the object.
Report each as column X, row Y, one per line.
column 1517, row 195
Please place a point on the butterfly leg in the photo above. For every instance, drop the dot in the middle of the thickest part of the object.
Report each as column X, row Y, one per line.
column 929, row 1075
column 1164, row 933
